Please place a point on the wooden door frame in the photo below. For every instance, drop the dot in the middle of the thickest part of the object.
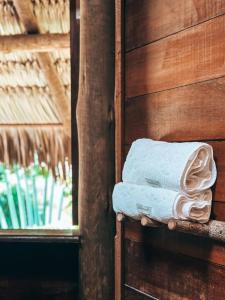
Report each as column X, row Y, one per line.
column 119, row 135
column 74, row 54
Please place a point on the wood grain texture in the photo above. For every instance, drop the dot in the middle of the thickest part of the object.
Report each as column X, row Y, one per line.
column 193, row 55
column 119, row 136
column 213, row 230
column 95, row 120
column 218, row 211
column 24, row 11
column 175, row 92
column 194, row 112
column 39, row 271
column 34, row 43
column 74, row 54
column 155, row 19
column 20, row 289
column 40, row 232
column 119, row 88
column 132, row 293
column 165, row 275
column 176, row 242
column 218, row 188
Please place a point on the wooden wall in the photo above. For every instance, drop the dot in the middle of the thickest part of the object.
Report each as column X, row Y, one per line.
column 38, row 271
column 175, row 91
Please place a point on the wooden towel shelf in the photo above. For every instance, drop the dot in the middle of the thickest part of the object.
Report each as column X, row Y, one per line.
column 213, row 229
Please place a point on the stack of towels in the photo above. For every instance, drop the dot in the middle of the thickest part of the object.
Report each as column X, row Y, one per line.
column 166, row 181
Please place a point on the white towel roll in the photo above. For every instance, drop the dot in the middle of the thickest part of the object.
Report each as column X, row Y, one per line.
column 159, row 204
column 188, row 166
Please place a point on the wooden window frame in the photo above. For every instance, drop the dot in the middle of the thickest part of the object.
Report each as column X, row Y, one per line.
column 60, row 235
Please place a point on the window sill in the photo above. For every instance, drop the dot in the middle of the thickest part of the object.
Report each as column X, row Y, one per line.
column 40, row 235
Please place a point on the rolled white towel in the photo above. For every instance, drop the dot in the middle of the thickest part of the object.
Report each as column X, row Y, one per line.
column 159, row 204
column 188, row 166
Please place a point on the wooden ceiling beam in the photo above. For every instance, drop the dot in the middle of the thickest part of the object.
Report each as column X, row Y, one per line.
column 57, row 89
column 34, row 42
column 25, row 12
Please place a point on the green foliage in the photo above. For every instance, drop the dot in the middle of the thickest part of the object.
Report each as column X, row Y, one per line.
column 32, row 197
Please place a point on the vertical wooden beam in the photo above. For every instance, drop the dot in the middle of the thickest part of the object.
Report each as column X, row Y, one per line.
column 74, row 42
column 95, row 119
column 119, row 136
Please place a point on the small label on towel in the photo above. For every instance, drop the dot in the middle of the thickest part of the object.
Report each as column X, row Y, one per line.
column 143, row 208
column 153, row 183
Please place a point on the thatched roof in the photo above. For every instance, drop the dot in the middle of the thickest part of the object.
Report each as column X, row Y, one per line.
column 34, row 84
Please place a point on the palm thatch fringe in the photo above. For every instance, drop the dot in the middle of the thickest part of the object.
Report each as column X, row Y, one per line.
column 19, row 145
column 27, row 105
column 25, row 70
column 25, row 94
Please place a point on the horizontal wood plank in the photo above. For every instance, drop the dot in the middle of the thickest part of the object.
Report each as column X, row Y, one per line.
column 39, row 271
column 40, row 236
column 155, row 19
column 165, row 275
column 219, row 188
column 194, row 112
column 132, row 293
column 193, row 55
column 218, row 211
column 176, row 242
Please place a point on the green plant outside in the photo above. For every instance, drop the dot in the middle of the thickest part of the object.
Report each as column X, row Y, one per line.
column 32, row 198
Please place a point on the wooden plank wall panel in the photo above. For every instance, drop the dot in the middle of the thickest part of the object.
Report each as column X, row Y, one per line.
column 167, row 275
column 191, row 56
column 176, row 242
column 155, row 19
column 133, row 294
column 74, row 43
column 194, row 112
column 119, row 136
column 175, row 91
column 218, row 211
column 179, row 114
column 38, row 271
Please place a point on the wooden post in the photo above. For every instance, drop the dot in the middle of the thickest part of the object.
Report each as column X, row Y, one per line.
column 95, row 120
column 119, row 137
column 75, row 47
